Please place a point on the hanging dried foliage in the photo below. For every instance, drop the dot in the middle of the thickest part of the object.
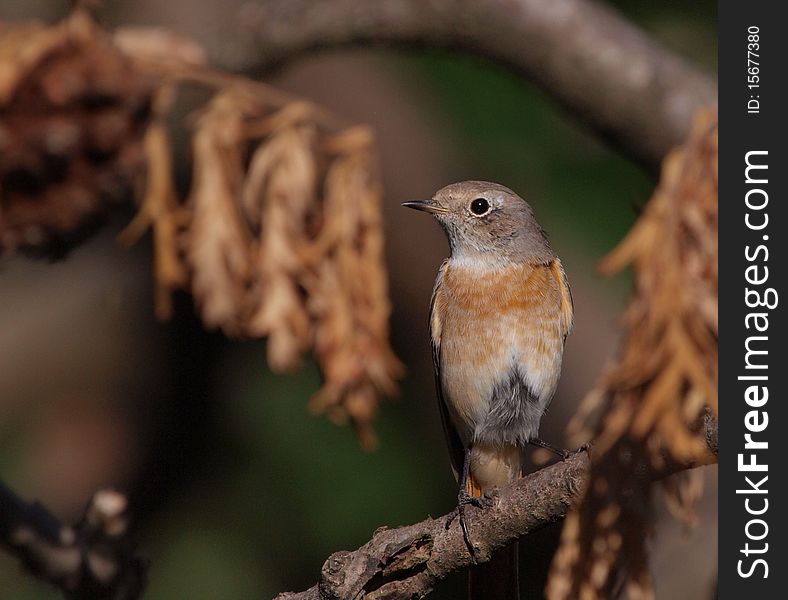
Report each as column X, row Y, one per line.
column 653, row 399
column 348, row 293
column 280, row 235
column 287, row 244
column 73, row 112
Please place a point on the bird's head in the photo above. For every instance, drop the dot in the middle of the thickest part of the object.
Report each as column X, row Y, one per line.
column 487, row 221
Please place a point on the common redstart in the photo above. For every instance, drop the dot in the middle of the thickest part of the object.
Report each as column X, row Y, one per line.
column 500, row 313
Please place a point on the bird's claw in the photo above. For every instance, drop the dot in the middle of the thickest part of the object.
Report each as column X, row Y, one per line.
column 584, row 448
column 464, row 499
column 561, row 453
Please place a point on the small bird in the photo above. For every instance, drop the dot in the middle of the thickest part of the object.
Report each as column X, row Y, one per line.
column 500, row 313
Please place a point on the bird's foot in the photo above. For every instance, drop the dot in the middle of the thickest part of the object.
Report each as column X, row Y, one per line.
column 584, row 448
column 561, row 453
column 464, row 499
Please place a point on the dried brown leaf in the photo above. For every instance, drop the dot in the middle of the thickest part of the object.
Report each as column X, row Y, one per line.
column 218, row 242
column 281, row 189
column 158, row 44
column 160, row 209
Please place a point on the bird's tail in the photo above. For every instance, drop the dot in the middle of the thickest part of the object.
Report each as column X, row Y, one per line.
column 497, row 579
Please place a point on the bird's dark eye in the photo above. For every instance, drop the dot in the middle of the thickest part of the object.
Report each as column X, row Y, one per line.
column 480, row 206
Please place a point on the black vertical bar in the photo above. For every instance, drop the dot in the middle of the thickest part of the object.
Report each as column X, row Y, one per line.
column 753, row 262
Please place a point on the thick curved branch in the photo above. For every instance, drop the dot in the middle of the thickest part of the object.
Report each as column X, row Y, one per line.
column 93, row 560
column 408, row 561
column 593, row 61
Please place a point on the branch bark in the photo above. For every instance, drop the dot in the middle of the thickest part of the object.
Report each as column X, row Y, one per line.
column 594, row 62
column 93, row 560
column 407, row 562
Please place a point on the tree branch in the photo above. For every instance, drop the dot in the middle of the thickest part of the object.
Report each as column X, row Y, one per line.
column 93, row 560
column 594, row 62
column 408, row 561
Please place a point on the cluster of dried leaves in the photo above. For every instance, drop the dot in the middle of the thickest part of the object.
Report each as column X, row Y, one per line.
column 288, row 245
column 653, row 399
column 72, row 115
column 280, row 235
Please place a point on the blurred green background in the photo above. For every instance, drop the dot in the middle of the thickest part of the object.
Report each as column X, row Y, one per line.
column 238, row 492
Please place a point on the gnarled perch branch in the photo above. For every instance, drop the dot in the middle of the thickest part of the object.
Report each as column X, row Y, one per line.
column 594, row 62
column 408, row 561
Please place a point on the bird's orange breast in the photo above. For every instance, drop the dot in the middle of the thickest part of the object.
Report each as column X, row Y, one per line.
column 487, row 322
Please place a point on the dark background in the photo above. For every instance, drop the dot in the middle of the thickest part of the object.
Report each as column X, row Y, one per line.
column 238, row 491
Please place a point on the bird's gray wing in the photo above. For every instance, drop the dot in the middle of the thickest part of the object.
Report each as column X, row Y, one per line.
column 456, row 448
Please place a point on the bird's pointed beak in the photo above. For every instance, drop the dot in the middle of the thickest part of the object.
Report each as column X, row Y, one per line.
column 427, row 206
